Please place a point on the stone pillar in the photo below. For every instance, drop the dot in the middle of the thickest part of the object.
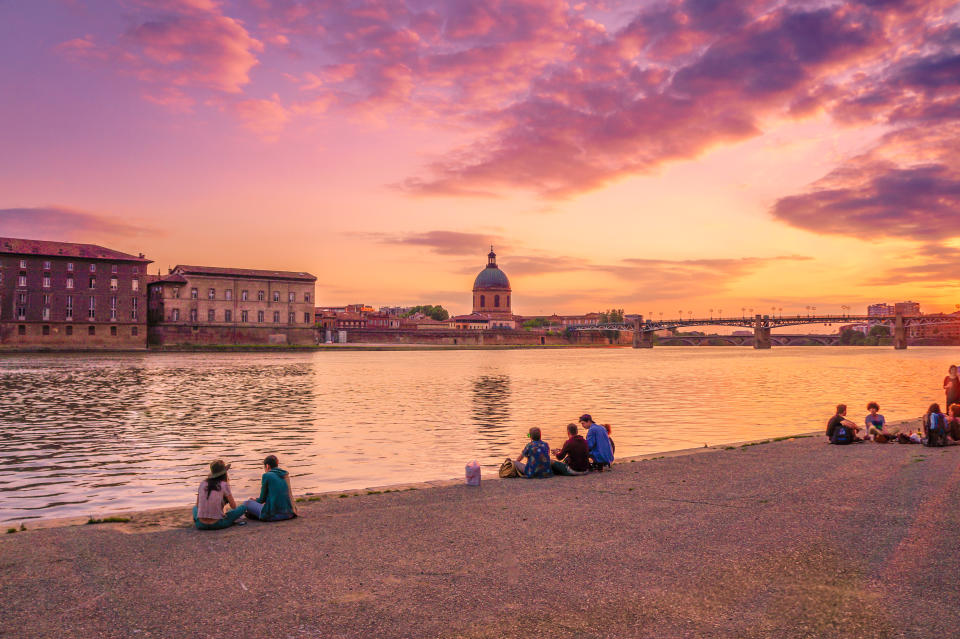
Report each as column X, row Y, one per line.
column 761, row 332
column 899, row 332
column 641, row 338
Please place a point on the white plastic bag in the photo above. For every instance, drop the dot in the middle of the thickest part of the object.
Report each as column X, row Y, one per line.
column 473, row 473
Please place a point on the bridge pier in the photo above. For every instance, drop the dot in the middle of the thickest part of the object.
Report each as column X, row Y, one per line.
column 899, row 332
column 641, row 338
column 761, row 332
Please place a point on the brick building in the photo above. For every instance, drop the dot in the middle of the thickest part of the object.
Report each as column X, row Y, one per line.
column 66, row 295
column 214, row 305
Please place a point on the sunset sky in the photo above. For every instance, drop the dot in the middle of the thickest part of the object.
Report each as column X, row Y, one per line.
column 656, row 156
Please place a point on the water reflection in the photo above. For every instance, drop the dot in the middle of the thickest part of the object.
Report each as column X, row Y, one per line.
column 490, row 408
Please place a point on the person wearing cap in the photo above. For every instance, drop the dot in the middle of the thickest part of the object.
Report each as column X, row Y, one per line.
column 598, row 442
column 213, row 494
column 275, row 502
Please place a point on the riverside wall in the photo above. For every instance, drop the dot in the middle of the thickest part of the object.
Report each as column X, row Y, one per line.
column 504, row 337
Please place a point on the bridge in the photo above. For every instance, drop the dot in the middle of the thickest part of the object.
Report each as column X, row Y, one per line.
column 762, row 325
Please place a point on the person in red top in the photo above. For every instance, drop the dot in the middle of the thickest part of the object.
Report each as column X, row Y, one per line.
column 951, row 385
column 575, row 454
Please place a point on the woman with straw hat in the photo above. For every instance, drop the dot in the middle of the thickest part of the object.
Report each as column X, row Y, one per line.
column 213, row 494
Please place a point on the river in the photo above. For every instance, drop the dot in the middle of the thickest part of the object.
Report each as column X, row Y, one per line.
column 85, row 434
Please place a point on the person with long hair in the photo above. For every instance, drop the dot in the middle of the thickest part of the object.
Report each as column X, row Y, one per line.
column 953, row 423
column 935, row 427
column 951, row 386
column 213, row 494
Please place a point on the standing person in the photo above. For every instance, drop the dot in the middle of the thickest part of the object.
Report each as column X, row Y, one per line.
column 275, row 502
column 598, row 442
column 213, row 494
column 575, row 454
column 537, row 453
column 841, row 430
column 951, row 386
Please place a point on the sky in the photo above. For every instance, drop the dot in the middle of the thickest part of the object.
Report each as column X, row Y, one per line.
column 678, row 155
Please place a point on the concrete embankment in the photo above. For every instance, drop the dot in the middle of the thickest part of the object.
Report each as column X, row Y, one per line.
column 792, row 538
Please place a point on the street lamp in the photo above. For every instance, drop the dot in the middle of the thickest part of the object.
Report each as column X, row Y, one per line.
column 743, row 309
column 720, row 312
column 711, row 313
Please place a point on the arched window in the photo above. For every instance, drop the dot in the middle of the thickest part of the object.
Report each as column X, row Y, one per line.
column 483, row 301
column 496, row 301
column 508, row 301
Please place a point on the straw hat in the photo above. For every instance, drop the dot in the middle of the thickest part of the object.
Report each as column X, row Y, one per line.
column 218, row 469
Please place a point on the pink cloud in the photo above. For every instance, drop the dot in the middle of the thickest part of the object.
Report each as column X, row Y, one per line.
column 63, row 223
column 266, row 118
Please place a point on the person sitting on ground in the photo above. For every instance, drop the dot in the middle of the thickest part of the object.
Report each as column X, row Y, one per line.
column 574, row 457
column 877, row 425
column 537, row 453
column 613, row 447
column 935, row 427
column 213, row 494
column 601, row 453
column 841, row 430
column 275, row 502
column 953, row 422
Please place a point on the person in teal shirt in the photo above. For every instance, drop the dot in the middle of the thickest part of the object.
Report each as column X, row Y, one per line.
column 275, row 502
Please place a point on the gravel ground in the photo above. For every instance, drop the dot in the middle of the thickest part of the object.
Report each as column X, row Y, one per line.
column 787, row 539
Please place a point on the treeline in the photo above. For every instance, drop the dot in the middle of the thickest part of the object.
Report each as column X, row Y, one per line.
column 437, row 312
column 878, row 335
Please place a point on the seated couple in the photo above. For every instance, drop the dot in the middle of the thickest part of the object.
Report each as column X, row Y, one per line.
column 275, row 502
column 577, row 456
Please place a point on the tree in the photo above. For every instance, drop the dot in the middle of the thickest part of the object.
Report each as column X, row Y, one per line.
column 437, row 312
column 850, row 337
column 537, row 322
column 879, row 330
column 612, row 316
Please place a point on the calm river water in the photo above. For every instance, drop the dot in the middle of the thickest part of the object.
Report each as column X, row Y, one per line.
column 88, row 434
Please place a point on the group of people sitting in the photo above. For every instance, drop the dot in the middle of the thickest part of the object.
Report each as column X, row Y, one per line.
column 578, row 455
column 275, row 502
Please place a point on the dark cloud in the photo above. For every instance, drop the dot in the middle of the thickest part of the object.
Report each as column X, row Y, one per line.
column 442, row 242
column 60, row 223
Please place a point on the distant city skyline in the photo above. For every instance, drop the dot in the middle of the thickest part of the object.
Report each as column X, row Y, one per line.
column 650, row 156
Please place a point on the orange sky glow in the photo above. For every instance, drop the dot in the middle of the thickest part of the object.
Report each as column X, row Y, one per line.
column 655, row 156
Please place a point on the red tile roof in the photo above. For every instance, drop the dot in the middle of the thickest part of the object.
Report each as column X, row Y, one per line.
column 15, row 246
column 243, row 272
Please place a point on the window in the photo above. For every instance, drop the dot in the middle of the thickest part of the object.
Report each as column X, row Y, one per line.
column 228, row 316
column 70, row 267
column 93, row 281
column 22, row 298
column 276, row 317
column 496, row 301
column 69, row 307
column 46, row 299
column 46, row 329
column 22, row 279
column 193, row 316
column 211, row 293
column 291, row 318
column 194, row 294
column 260, row 296
column 175, row 315
column 276, row 296
column 291, row 297
column 176, row 292
column 136, row 271
column 21, row 330
column 228, row 294
column 92, row 307
column 508, row 301
column 46, row 313
column 260, row 317
column 306, row 318
column 113, row 331
column 211, row 315
column 243, row 316
column 135, row 284
column 91, row 330
column 114, row 283
column 46, row 280
column 23, row 264
column 483, row 301
column 113, row 268
column 93, row 268
column 306, row 297
column 69, row 331
column 70, row 281
column 244, row 295
column 46, row 266
column 135, row 331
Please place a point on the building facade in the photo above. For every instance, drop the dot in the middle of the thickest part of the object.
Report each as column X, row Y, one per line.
column 214, row 305
column 492, row 297
column 65, row 295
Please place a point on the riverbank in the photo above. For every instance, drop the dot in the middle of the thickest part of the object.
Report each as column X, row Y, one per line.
column 792, row 538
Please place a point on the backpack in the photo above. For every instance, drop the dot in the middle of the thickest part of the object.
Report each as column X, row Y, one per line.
column 937, row 431
column 508, row 469
column 842, row 434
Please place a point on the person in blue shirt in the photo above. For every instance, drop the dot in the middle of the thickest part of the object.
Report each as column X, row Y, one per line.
column 275, row 502
column 599, row 443
column 537, row 453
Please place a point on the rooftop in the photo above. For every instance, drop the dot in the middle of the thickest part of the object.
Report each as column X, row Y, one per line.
column 243, row 272
column 14, row 246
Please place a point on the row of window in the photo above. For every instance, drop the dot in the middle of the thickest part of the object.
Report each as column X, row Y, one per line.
column 244, row 295
column 70, row 267
column 496, row 301
column 91, row 283
column 91, row 330
column 20, row 307
column 244, row 316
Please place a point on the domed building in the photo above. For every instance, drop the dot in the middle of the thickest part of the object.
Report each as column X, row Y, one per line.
column 491, row 299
